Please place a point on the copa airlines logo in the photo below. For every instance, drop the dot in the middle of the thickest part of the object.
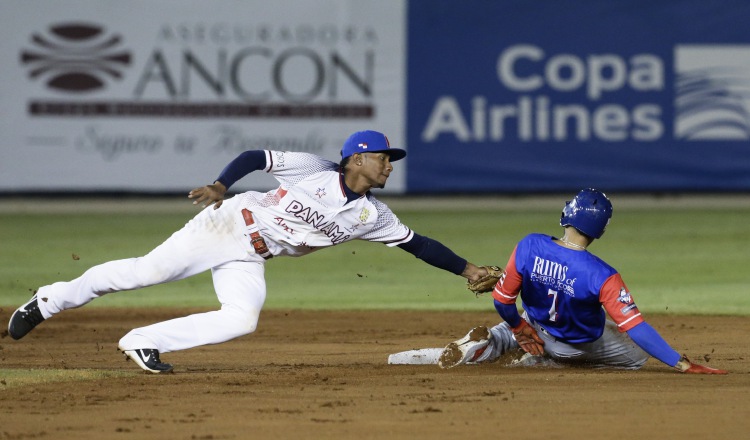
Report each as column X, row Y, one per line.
column 712, row 93
column 562, row 97
column 75, row 57
column 559, row 97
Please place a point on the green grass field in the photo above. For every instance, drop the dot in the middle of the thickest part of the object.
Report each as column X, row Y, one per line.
column 675, row 259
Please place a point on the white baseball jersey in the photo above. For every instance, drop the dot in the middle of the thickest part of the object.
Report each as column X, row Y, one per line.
column 309, row 210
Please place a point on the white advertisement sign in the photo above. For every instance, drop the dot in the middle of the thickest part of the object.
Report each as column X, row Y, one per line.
column 158, row 96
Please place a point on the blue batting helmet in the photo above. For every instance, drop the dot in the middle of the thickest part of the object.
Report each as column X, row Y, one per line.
column 589, row 212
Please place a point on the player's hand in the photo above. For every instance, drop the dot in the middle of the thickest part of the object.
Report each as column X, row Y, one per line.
column 482, row 279
column 685, row 365
column 209, row 194
column 528, row 338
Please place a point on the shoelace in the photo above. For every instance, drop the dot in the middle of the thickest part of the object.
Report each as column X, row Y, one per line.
column 154, row 356
column 33, row 316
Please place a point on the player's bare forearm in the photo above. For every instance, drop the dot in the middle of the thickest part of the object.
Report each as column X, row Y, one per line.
column 209, row 194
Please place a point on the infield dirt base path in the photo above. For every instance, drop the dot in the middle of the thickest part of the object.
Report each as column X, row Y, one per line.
column 323, row 375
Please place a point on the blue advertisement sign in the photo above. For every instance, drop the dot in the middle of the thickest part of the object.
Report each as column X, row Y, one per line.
column 540, row 96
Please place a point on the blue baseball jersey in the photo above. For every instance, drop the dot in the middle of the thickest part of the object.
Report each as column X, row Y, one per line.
column 566, row 291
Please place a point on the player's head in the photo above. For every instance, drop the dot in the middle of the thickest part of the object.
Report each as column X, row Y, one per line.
column 589, row 212
column 369, row 141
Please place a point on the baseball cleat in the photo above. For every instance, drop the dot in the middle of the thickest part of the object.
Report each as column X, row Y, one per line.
column 148, row 359
column 466, row 349
column 24, row 319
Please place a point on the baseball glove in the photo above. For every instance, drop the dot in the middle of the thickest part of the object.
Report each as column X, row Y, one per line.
column 487, row 282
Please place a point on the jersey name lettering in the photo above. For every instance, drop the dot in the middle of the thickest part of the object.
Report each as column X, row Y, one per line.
column 316, row 220
column 552, row 274
column 546, row 268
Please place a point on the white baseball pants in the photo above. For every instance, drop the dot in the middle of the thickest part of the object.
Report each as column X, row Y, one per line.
column 211, row 240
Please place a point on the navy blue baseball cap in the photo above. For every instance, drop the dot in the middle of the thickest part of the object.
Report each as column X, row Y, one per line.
column 369, row 141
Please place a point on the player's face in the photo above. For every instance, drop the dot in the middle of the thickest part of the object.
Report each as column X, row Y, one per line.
column 376, row 168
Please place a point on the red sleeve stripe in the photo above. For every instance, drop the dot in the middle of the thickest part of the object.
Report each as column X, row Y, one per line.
column 628, row 320
column 500, row 296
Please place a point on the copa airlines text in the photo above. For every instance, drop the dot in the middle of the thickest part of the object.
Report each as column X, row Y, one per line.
column 525, row 70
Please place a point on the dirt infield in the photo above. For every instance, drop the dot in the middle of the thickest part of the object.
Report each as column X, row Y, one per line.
column 323, row 375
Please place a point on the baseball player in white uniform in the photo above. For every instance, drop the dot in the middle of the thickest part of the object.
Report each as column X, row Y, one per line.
column 318, row 204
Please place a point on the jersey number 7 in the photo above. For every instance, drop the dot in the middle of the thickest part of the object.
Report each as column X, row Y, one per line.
column 553, row 309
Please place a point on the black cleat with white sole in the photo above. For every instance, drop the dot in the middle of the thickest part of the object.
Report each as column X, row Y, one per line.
column 148, row 359
column 24, row 319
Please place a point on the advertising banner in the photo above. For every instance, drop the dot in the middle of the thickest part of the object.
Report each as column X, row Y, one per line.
column 540, row 96
column 158, row 96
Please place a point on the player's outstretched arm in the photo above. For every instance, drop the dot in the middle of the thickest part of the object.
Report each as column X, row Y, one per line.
column 652, row 343
column 209, row 194
column 480, row 279
column 238, row 168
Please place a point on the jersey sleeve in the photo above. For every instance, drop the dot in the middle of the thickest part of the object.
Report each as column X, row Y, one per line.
column 619, row 304
column 652, row 343
column 289, row 167
column 242, row 165
column 507, row 289
column 388, row 228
